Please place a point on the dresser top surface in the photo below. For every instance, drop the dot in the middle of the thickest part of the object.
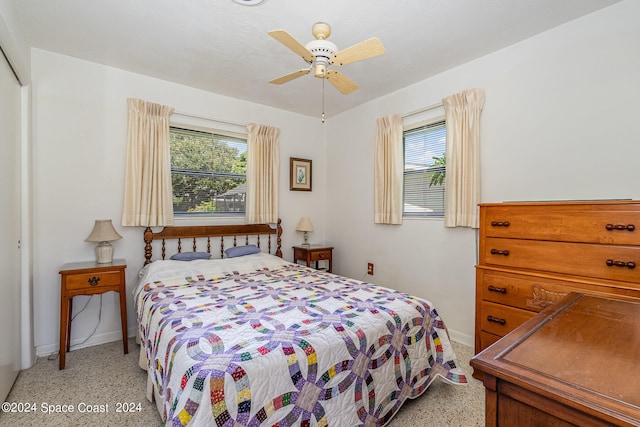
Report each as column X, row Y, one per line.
column 577, row 203
column 593, row 343
column 587, row 346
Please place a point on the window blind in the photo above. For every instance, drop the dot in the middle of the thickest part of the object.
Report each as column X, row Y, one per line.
column 424, row 170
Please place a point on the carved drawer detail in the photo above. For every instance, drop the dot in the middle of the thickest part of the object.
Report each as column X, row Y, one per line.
column 542, row 298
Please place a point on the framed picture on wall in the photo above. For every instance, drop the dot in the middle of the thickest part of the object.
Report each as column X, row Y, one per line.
column 299, row 174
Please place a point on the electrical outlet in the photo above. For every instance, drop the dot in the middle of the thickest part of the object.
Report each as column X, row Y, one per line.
column 370, row 268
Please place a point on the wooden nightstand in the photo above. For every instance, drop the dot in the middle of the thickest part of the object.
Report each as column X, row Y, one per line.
column 313, row 253
column 89, row 278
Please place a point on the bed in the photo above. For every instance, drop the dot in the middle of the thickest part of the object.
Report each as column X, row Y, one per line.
column 255, row 340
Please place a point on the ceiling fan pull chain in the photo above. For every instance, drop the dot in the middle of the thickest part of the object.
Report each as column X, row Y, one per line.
column 322, row 100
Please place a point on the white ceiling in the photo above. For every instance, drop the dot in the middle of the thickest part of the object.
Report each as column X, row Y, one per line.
column 223, row 47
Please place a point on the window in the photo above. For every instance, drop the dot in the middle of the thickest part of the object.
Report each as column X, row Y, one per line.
column 208, row 172
column 424, row 170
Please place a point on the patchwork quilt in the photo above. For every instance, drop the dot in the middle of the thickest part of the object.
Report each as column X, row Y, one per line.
column 259, row 341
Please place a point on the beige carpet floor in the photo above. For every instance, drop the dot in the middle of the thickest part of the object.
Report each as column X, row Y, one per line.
column 103, row 379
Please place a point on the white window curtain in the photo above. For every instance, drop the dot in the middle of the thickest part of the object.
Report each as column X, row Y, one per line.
column 389, row 164
column 147, row 194
column 463, row 158
column 263, row 174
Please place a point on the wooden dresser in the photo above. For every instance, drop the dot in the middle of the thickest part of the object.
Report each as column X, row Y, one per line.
column 574, row 364
column 533, row 254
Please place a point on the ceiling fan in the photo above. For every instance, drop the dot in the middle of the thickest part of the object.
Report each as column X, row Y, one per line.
column 320, row 53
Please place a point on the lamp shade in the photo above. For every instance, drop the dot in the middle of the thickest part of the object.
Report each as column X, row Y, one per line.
column 103, row 231
column 304, row 224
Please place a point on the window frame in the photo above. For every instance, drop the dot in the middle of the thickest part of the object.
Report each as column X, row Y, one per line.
column 408, row 128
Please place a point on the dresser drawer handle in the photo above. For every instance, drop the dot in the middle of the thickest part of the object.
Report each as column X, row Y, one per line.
column 93, row 281
column 629, row 227
column 499, row 290
column 499, row 223
column 499, row 252
column 496, row 320
column 612, row 263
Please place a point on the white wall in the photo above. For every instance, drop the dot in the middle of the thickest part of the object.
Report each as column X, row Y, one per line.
column 79, row 146
column 560, row 122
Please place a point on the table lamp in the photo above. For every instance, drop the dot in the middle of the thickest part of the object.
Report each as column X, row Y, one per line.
column 305, row 225
column 103, row 232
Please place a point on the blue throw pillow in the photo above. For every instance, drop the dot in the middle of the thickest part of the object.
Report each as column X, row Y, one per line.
column 237, row 251
column 190, row 256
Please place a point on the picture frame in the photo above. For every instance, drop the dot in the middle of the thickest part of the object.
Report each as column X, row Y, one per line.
column 300, row 174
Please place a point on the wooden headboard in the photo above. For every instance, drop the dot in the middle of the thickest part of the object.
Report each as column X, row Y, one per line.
column 201, row 235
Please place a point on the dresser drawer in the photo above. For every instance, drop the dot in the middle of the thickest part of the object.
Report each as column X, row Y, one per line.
column 92, row 280
column 564, row 223
column 520, row 291
column 580, row 259
column 486, row 339
column 500, row 320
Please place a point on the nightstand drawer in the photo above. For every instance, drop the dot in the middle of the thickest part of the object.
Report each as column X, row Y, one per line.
column 320, row 255
column 92, row 280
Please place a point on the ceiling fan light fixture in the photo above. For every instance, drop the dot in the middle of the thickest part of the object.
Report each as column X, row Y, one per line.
column 320, row 69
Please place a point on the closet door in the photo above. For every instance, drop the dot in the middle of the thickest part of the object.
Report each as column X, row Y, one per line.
column 9, row 227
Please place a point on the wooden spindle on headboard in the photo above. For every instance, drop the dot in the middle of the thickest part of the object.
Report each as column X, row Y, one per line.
column 194, row 244
column 164, row 252
column 148, row 249
column 279, row 234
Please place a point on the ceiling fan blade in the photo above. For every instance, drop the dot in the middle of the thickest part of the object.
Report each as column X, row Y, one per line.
column 363, row 50
column 289, row 41
column 341, row 82
column 290, row 76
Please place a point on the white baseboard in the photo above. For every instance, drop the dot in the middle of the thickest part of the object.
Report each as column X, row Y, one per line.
column 461, row 338
column 47, row 349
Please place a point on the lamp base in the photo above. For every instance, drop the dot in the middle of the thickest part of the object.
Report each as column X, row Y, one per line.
column 306, row 239
column 104, row 253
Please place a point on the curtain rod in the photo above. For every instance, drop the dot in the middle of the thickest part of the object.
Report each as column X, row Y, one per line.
column 422, row 110
column 195, row 116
